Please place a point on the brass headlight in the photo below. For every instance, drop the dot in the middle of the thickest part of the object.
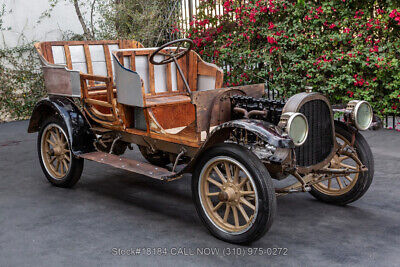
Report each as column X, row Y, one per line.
column 361, row 114
column 295, row 125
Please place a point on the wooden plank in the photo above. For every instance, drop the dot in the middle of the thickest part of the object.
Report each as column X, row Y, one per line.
column 121, row 44
column 151, row 78
column 89, row 64
column 49, row 53
column 182, row 63
column 184, row 114
column 193, row 71
column 133, row 62
column 144, row 52
column 108, row 60
column 41, row 47
column 176, row 139
column 98, row 102
column 68, row 57
column 95, row 93
column 169, row 77
column 101, row 115
column 110, row 94
column 206, row 69
column 89, row 42
column 219, row 79
column 45, row 47
column 95, row 77
column 167, row 100
column 84, row 89
column 121, row 59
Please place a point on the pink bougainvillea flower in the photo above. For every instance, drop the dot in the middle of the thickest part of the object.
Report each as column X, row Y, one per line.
column 271, row 40
column 270, row 25
column 393, row 13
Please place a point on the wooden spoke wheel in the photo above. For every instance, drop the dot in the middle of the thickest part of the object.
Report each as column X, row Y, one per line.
column 336, row 186
column 228, row 195
column 233, row 193
column 359, row 163
column 56, row 153
column 58, row 163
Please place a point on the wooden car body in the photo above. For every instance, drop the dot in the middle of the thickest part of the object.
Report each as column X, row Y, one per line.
column 121, row 91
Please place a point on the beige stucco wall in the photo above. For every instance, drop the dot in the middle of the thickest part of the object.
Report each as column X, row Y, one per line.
column 23, row 21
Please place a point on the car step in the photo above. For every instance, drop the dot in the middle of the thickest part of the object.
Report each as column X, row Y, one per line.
column 129, row 165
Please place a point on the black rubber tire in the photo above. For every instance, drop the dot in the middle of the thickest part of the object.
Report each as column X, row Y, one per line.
column 364, row 180
column 157, row 158
column 263, row 182
column 75, row 171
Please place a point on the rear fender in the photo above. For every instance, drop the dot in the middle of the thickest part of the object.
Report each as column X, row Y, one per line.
column 79, row 133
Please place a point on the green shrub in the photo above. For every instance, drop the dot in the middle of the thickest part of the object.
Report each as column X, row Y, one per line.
column 21, row 82
column 346, row 49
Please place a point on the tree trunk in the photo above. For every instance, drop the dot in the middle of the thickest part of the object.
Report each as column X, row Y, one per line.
column 86, row 32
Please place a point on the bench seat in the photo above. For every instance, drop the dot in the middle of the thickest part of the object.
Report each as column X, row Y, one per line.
column 167, row 100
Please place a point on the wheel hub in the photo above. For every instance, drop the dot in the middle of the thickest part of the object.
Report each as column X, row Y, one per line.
column 57, row 150
column 230, row 193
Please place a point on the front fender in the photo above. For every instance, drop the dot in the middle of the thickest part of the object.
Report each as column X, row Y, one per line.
column 80, row 136
column 264, row 130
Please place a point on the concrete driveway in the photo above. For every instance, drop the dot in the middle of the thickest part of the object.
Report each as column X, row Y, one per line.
column 112, row 212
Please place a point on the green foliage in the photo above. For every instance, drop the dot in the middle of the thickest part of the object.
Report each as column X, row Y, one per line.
column 345, row 49
column 145, row 21
column 21, row 82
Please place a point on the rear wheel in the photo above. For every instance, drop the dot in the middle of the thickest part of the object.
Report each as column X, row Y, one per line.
column 58, row 163
column 233, row 193
column 347, row 188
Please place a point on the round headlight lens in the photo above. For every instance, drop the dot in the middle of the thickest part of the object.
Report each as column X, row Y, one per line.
column 363, row 115
column 297, row 128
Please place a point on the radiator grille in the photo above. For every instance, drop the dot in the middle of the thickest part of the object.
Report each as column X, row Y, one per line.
column 320, row 140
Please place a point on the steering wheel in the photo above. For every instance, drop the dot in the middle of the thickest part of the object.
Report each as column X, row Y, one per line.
column 174, row 55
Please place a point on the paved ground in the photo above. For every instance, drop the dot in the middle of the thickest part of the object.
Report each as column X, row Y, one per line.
column 42, row 225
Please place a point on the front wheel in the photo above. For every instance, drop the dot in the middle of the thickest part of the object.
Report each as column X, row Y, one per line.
column 58, row 163
column 234, row 194
column 342, row 190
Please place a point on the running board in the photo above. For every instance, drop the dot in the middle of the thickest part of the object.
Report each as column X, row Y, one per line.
column 129, row 165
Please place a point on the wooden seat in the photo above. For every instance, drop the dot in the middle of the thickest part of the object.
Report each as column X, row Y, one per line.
column 162, row 82
column 167, row 100
column 84, row 69
column 159, row 90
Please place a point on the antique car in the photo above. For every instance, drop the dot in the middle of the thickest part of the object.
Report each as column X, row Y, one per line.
column 104, row 96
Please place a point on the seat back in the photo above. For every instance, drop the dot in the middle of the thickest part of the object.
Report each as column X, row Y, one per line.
column 159, row 80
column 90, row 57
